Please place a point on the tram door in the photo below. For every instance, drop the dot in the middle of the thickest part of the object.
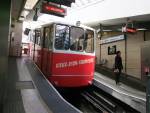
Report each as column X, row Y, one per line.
column 47, row 51
column 37, row 55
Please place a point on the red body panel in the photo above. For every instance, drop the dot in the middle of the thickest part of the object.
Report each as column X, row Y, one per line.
column 65, row 69
column 49, row 65
column 46, row 61
column 72, row 70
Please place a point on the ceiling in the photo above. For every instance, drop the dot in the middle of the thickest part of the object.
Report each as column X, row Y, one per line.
column 17, row 6
column 121, row 21
column 77, row 12
column 21, row 8
column 79, row 4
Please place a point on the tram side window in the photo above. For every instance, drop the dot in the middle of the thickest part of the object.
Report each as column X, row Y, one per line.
column 76, row 39
column 48, row 38
column 42, row 36
column 89, row 41
column 38, row 37
column 32, row 36
column 62, row 37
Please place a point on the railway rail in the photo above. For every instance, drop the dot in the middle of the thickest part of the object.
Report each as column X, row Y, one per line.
column 93, row 100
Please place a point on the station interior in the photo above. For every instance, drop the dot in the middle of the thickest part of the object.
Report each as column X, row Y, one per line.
column 31, row 72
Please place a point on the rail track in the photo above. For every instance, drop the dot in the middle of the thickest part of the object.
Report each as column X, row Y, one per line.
column 93, row 100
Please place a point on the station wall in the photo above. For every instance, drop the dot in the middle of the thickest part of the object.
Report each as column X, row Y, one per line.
column 15, row 39
column 134, row 42
column 131, row 56
column 147, row 36
column 4, row 36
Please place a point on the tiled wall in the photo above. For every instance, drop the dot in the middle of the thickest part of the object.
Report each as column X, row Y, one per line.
column 134, row 43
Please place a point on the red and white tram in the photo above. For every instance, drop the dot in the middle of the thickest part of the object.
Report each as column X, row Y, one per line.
column 65, row 54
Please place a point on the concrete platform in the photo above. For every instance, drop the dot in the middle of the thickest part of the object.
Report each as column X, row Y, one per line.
column 132, row 97
column 32, row 101
column 48, row 93
column 29, row 92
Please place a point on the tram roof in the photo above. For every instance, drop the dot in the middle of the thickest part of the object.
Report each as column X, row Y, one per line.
column 63, row 23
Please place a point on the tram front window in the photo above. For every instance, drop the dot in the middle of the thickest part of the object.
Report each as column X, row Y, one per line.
column 89, row 41
column 76, row 39
column 62, row 37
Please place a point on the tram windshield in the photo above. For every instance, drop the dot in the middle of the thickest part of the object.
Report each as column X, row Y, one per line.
column 62, row 37
column 74, row 38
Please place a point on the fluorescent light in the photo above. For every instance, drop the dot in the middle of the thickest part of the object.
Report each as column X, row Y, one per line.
column 141, row 29
column 79, row 4
column 107, row 30
column 104, row 30
column 21, row 18
column 24, row 13
column 30, row 4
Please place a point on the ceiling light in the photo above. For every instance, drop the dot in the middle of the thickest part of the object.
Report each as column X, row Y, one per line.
column 104, row 30
column 79, row 4
column 107, row 30
column 141, row 29
column 21, row 18
column 30, row 4
column 24, row 13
